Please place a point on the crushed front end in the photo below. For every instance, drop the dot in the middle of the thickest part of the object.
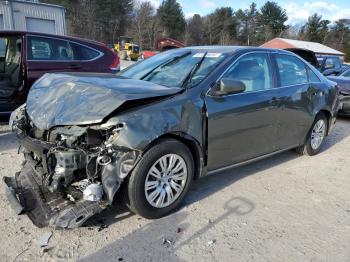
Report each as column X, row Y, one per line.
column 69, row 174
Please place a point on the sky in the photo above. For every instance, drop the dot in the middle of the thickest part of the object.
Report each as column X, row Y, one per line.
column 297, row 10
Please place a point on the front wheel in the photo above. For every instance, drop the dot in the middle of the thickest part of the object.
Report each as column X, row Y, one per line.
column 316, row 136
column 161, row 179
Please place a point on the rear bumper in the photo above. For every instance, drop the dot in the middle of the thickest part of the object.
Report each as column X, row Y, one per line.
column 44, row 208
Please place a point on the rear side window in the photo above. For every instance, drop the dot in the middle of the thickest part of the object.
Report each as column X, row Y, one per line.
column 313, row 78
column 84, row 53
column 41, row 48
column 291, row 70
column 253, row 70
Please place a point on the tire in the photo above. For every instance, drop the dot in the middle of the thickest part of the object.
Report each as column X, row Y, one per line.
column 311, row 149
column 135, row 190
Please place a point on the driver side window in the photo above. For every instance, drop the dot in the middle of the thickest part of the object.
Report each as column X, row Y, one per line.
column 253, row 70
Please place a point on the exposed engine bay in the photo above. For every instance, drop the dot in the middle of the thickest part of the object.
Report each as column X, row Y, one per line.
column 70, row 173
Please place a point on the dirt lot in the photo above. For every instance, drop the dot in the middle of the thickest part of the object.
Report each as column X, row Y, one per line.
column 285, row 208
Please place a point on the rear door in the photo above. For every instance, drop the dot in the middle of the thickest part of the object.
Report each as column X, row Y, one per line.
column 87, row 56
column 243, row 126
column 48, row 55
column 295, row 116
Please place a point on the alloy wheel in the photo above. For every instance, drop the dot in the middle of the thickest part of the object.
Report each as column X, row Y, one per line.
column 165, row 180
column 317, row 134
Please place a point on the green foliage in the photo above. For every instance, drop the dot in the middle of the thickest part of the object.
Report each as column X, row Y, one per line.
column 271, row 20
column 94, row 19
column 172, row 19
column 105, row 20
column 195, row 30
column 247, row 24
column 221, row 26
column 347, row 52
column 315, row 29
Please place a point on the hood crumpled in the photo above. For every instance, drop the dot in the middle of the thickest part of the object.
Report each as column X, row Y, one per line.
column 81, row 98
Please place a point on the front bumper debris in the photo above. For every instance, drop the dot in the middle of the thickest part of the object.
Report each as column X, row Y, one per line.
column 70, row 173
column 45, row 208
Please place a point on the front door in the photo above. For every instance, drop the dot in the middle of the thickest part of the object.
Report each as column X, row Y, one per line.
column 243, row 126
column 11, row 73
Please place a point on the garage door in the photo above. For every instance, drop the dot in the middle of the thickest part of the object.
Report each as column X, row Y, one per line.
column 40, row 25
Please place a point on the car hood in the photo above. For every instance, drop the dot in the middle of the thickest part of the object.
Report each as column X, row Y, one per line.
column 81, row 98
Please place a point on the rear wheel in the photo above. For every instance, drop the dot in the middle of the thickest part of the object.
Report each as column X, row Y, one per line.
column 160, row 180
column 316, row 136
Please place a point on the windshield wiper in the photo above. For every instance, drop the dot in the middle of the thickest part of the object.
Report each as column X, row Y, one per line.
column 188, row 78
column 166, row 63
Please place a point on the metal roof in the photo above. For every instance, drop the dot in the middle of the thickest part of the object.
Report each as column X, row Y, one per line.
column 313, row 46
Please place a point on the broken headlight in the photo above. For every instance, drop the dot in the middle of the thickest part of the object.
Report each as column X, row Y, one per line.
column 16, row 116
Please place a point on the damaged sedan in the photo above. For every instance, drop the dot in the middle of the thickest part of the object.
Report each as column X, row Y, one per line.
column 148, row 132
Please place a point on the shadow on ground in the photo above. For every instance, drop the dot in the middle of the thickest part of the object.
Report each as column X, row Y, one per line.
column 160, row 239
column 149, row 242
column 338, row 134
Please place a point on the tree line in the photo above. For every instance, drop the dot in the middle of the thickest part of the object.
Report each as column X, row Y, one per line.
column 106, row 20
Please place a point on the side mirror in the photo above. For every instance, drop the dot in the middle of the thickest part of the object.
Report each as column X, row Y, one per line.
column 228, row 86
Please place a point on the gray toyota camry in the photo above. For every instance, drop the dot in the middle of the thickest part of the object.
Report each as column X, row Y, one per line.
column 148, row 132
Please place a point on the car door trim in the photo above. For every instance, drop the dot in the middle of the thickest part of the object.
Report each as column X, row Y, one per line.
column 222, row 169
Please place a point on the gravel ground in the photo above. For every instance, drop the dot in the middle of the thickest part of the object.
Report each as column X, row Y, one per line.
column 284, row 208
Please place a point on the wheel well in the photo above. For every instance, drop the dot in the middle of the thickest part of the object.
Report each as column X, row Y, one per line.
column 328, row 116
column 192, row 144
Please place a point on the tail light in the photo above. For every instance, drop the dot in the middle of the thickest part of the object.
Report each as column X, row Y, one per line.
column 115, row 66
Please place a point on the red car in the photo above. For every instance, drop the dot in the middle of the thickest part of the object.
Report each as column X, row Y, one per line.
column 26, row 56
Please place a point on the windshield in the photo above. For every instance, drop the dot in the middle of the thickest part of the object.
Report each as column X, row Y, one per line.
column 172, row 68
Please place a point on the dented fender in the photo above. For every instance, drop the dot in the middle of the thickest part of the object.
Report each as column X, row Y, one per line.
column 143, row 125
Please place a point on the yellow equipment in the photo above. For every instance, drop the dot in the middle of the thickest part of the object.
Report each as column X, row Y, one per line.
column 126, row 48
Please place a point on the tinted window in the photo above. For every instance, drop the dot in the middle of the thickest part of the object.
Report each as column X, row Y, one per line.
column 83, row 53
column 312, row 76
column 253, row 70
column 41, row 48
column 291, row 70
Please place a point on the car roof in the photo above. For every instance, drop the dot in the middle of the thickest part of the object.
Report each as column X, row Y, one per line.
column 232, row 49
column 15, row 32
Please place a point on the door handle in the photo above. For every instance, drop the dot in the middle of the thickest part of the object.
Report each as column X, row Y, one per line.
column 75, row 66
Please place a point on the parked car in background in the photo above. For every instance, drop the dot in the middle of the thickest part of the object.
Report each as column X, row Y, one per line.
column 343, row 83
column 159, row 124
column 26, row 56
column 327, row 65
column 330, row 65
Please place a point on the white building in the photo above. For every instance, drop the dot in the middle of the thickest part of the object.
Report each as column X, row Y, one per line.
column 31, row 15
